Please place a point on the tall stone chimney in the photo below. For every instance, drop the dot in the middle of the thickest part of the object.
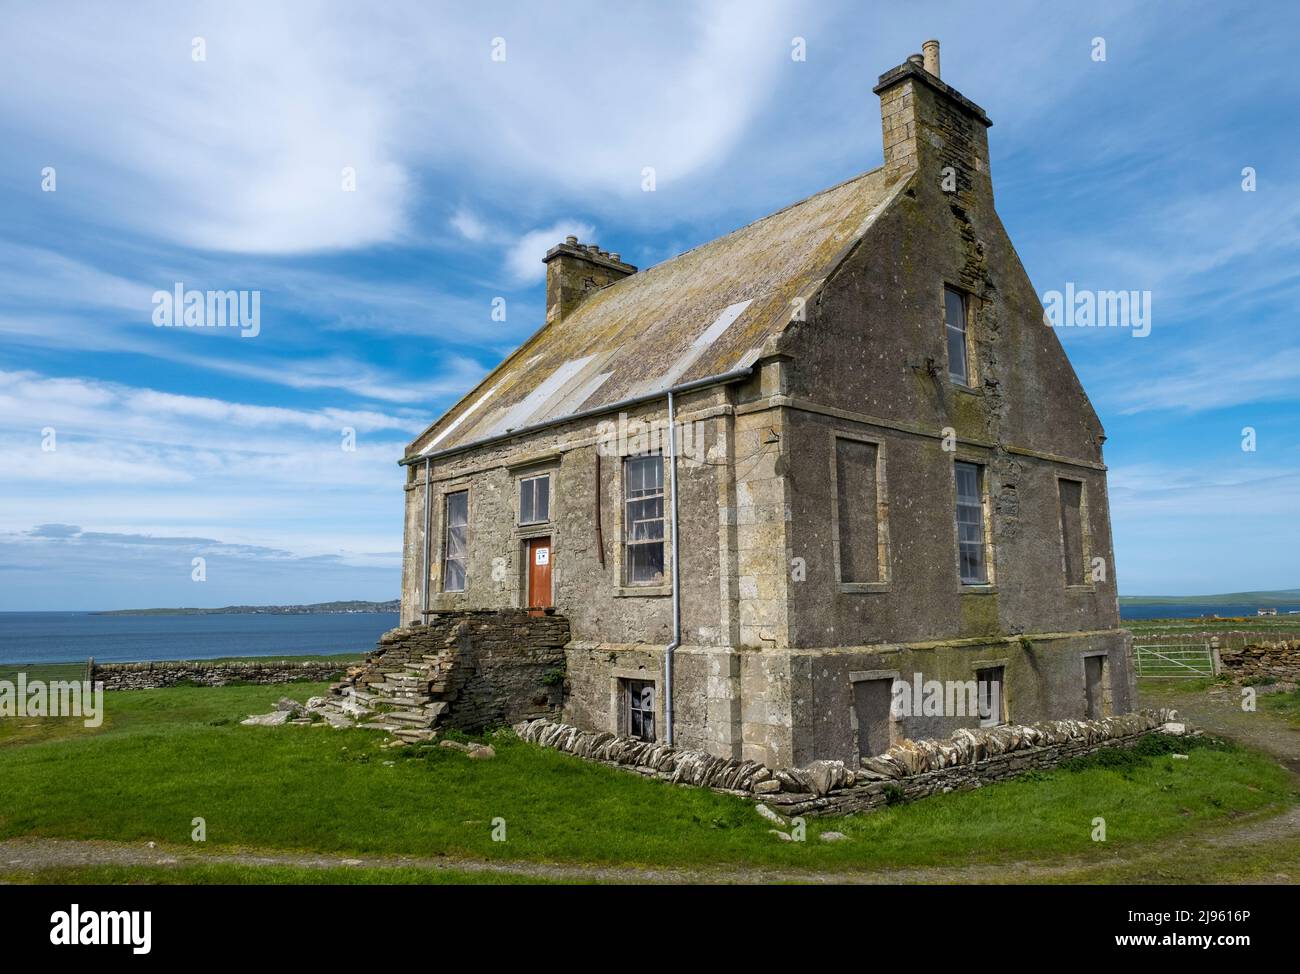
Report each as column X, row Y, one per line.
column 575, row 270
column 931, row 127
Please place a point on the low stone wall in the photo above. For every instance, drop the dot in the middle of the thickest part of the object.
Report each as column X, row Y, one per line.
column 907, row 771
column 1222, row 640
column 1278, row 661
column 168, row 673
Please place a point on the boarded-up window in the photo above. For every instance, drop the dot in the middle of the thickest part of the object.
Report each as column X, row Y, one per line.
column 857, row 507
column 455, row 550
column 1071, row 492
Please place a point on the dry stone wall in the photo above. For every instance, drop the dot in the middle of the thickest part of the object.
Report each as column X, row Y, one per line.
column 1261, row 661
column 167, row 673
column 909, row 770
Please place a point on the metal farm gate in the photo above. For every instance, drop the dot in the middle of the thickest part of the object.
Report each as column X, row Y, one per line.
column 1175, row 660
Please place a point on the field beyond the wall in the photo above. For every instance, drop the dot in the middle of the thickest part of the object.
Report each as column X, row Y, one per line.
column 122, row 802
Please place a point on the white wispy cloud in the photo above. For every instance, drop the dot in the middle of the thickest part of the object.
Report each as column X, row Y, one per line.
column 524, row 256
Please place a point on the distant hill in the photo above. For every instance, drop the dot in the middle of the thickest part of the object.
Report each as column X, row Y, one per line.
column 1286, row 596
column 316, row 608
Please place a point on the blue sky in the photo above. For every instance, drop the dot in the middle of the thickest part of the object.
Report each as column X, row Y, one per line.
column 225, row 173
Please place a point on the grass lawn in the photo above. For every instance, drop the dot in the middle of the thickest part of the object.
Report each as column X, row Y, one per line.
column 1284, row 705
column 163, row 757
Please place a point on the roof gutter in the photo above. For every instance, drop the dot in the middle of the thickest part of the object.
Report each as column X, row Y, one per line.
column 735, row 375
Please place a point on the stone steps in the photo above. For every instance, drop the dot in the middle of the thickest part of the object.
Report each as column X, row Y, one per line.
column 402, row 702
column 415, row 718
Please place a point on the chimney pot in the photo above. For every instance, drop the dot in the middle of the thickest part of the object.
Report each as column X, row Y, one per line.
column 571, row 240
column 616, row 257
column 917, row 60
column 931, row 57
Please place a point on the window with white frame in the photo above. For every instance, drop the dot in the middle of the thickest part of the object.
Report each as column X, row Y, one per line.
column 954, row 319
column 535, row 499
column 643, row 520
column 455, row 542
column 972, row 551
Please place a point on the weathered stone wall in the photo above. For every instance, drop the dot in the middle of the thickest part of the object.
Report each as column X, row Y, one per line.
column 476, row 668
column 1278, row 661
column 167, row 673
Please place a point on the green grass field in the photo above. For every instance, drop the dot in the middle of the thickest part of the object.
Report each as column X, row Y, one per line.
column 164, row 757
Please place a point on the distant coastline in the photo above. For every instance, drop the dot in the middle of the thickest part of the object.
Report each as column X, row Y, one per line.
column 1274, row 599
column 315, row 608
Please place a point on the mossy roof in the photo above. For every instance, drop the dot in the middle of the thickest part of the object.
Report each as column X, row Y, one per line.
column 703, row 313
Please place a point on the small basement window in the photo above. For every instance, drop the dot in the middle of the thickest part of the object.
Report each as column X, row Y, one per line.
column 535, row 500
column 954, row 317
column 992, row 694
column 639, row 706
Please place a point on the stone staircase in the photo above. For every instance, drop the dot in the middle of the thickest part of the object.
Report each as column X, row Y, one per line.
column 465, row 670
column 405, row 701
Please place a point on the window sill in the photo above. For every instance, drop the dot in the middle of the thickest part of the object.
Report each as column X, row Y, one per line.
column 969, row 390
column 1081, row 588
column 977, row 589
column 642, row 591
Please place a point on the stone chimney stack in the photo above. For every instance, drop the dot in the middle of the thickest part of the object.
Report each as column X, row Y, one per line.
column 932, row 128
column 574, row 271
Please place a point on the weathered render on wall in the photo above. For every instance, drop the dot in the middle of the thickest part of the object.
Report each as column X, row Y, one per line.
column 823, row 320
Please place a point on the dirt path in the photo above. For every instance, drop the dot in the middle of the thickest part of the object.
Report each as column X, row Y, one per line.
column 1218, row 711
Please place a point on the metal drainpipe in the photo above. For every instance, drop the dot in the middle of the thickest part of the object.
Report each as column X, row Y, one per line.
column 677, row 602
column 424, row 616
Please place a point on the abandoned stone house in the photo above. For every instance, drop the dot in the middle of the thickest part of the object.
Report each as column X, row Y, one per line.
column 885, row 469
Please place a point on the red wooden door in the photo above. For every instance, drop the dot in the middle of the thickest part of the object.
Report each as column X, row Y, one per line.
column 539, row 573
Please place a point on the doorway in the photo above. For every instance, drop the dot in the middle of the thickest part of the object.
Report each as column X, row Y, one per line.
column 1094, row 683
column 539, row 574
